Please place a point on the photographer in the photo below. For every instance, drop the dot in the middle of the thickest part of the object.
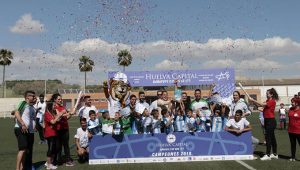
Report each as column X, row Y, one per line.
column 40, row 107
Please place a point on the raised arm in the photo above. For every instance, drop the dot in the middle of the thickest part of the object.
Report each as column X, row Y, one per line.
column 57, row 118
column 211, row 88
column 105, row 88
column 256, row 102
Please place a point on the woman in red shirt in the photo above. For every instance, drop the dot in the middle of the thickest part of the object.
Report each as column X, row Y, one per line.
column 294, row 127
column 269, row 122
column 51, row 119
column 62, row 128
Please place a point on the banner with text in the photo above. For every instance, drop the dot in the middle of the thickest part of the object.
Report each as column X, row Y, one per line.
column 176, row 147
column 224, row 79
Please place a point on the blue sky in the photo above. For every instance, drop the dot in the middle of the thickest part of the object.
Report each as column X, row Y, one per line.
column 47, row 37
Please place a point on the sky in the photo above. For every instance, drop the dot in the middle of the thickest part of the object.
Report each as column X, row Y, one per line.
column 257, row 38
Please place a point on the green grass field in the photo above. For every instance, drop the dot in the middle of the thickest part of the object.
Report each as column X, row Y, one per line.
column 8, row 150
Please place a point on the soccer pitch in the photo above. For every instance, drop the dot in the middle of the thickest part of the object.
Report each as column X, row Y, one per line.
column 8, row 151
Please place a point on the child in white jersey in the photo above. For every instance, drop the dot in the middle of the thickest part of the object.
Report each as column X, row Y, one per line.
column 82, row 137
column 94, row 127
column 179, row 120
column 168, row 121
column 282, row 116
column 190, row 121
column 200, row 122
column 217, row 119
column 156, row 122
column 107, row 123
column 238, row 125
column 147, row 122
column 225, row 115
column 117, row 125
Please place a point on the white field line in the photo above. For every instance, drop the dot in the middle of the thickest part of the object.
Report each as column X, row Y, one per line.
column 245, row 165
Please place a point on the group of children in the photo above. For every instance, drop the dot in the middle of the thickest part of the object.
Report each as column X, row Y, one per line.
column 141, row 121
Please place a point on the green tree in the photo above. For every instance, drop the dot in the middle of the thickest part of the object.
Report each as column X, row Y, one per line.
column 124, row 58
column 5, row 60
column 85, row 65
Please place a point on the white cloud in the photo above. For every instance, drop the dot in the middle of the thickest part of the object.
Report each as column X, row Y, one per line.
column 259, row 64
column 38, row 64
column 26, row 25
column 218, row 64
column 213, row 48
column 170, row 65
column 91, row 46
column 251, row 64
column 248, row 57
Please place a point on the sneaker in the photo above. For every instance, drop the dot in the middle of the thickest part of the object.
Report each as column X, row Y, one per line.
column 292, row 160
column 274, row 156
column 51, row 166
column 69, row 163
column 255, row 158
column 265, row 158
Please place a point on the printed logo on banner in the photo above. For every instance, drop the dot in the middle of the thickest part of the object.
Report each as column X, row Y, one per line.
column 222, row 76
column 181, row 146
column 171, row 138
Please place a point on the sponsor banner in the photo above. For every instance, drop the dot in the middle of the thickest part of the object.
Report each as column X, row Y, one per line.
column 224, row 79
column 176, row 147
column 170, row 159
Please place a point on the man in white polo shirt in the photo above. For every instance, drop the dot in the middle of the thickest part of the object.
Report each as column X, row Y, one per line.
column 24, row 131
column 84, row 110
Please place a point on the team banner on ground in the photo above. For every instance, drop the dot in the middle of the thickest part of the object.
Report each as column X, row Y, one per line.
column 176, row 147
column 223, row 78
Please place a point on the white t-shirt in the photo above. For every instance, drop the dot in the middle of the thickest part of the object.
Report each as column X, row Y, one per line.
column 261, row 118
column 282, row 111
column 239, row 105
column 153, row 105
column 83, row 137
column 156, row 126
column 28, row 117
column 145, row 104
column 237, row 125
column 190, row 123
column 41, row 112
column 107, row 128
column 84, row 111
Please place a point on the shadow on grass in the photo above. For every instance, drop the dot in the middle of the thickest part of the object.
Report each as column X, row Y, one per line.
column 39, row 165
column 284, row 157
column 259, row 153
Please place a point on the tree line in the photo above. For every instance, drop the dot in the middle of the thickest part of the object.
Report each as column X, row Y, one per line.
column 86, row 64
